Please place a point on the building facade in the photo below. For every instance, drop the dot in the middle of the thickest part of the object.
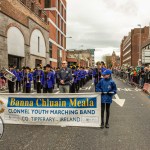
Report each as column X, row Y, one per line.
column 115, row 60
column 56, row 11
column 146, row 52
column 23, row 34
column 82, row 58
column 28, row 36
column 131, row 45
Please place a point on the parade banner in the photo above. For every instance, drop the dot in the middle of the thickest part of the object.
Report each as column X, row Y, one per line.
column 51, row 109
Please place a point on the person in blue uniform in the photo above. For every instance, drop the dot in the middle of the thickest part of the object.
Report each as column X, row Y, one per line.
column 38, row 74
column 97, row 73
column 34, row 78
column 27, row 80
column 48, row 80
column 108, row 89
column 19, row 78
column 57, row 80
column 82, row 73
column 10, row 83
column 77, row 79
column 90, row 72
column 103, row 67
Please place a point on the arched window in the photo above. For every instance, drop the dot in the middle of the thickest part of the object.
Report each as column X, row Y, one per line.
column 37, row 44
column 15, row 42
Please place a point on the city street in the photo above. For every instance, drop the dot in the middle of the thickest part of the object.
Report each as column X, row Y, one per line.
column 129, row 128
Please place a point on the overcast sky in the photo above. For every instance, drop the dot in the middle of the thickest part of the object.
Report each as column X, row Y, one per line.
column 101, row 24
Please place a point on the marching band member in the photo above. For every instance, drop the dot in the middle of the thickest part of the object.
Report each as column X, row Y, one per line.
column 82, row 76
column 97, row 73
column 38, row 74
column 10, row 83
column 48, row 80
column 57, row 80
column 34, row 78
column 74, row 81
column 77, row 79
column 27, row 80
column 90, row 72
column 18, row 82
column 103, row 67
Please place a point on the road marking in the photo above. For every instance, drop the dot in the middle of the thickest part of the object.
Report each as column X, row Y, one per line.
column 119, row 101
column 129, row 89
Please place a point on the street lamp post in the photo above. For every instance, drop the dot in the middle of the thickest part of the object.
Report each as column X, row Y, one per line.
column 139, row 46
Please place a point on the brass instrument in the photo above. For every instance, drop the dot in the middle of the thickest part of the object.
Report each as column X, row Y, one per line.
column 9, row 75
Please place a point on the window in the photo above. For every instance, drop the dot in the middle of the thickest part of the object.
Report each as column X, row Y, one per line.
column 38, row 61
column 40, row 13
column 47, row 3
column 50, row 49
column 45, row 18
column 38, row 44
column 32, row 6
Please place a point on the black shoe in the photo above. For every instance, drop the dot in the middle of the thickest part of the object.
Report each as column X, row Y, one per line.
column 107, row 125
column 102, row 126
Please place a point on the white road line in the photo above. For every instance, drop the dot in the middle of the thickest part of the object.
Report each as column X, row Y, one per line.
column 119, row 101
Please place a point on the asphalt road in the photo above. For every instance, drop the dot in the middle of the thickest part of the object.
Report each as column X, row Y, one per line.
column 129, row 128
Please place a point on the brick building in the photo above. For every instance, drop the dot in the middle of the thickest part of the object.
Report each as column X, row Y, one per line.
column 115, row 60
column 29, row 34
column 56, row 11
column 82, row 58
column 129, row 48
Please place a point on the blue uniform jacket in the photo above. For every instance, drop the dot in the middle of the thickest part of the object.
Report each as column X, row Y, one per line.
column 78, row 75
column 19, row 76
column 14, row 72
column 38, row 72
column 106, row 85
column 30, row 79
column 103, row 69
column 75, row 76
column 49, row 80
column 97, row 77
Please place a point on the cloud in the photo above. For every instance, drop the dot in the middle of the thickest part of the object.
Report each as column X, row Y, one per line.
column 126, row 7
column 103, row 23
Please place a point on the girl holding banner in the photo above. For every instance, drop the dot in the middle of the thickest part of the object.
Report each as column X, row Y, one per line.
column 108, row 89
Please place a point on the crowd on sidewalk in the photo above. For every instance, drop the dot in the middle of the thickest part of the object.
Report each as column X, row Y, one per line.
column 134, row 75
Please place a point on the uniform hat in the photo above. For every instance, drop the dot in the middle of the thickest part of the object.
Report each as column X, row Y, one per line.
column 11, row 66
column 48, row 66
column 107, row 72
column 28, row 68
column 23, row 67
column 38, row 65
